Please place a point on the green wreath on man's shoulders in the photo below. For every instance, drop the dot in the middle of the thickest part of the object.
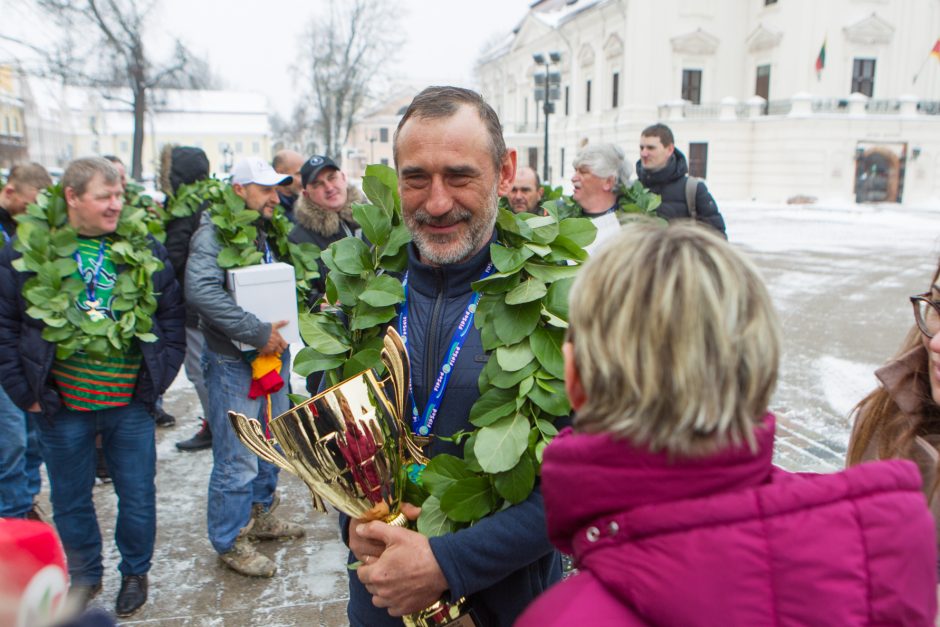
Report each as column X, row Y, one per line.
column 48, row 244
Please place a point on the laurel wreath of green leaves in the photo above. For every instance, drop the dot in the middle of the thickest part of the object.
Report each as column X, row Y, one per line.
column 154, row 216
column 237, row 230
column 47, row 243
column 522, row 316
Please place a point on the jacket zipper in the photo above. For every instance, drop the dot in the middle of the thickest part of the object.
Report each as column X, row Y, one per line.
column 430, row 347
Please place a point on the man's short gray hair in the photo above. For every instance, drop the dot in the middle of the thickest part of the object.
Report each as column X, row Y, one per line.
column 80, row 171
column 605, row 161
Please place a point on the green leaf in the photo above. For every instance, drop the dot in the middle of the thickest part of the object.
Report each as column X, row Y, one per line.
column 539, row 249
column 386, row 176
column 555, row 404
column 229, row 257
column 507, row 259
column 364, row 316
column 347, row 288
column 581, row 231
column 308, row 361
column 499, row 446
column 497, row 283
column 526, row 292
column 550, row 273
column 556, row 300
column 469, row 499
column 326, row 335
column 442, row 472
column 399, row 237
column 376, row 224
column 361, row 361
column 433, row 521
column 382, row 291
column 515, row 357
column 492, row 405
column 516, row 322
column 546, row 344
column 351, row 255
column 506, row 379
column 516, row 485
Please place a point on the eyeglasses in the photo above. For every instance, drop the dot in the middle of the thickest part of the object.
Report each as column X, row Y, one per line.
column 927, row 314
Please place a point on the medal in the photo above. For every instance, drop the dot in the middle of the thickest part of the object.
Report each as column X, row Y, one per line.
column 93, row 312
column 91, row 301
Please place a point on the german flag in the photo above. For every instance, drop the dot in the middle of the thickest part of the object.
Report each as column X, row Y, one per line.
column 821, row 60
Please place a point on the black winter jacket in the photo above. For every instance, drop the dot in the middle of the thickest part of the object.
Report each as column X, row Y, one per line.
column 504, row 561
column 26, row 359
column 669, row 182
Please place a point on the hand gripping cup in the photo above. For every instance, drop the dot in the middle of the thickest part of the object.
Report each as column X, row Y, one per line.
column 351, row 445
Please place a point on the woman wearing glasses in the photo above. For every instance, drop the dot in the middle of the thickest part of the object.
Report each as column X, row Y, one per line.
column 902, row 417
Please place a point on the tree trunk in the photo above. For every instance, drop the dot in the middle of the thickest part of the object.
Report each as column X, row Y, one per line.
column 140, row 107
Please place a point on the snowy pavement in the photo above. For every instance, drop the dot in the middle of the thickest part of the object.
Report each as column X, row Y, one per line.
column 840, row 278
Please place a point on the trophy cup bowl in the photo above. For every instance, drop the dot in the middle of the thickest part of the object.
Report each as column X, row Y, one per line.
column 351, row 446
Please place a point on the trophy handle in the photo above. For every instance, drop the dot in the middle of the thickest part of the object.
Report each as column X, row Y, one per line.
column 395, row 358
column 250, row 433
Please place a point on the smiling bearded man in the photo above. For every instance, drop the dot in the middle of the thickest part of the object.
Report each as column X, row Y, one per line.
column 452, row 165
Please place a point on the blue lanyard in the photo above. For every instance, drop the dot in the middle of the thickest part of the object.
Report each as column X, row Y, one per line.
column 266, row 249
column 423, row 423
column 91, row 286
column 6, row 236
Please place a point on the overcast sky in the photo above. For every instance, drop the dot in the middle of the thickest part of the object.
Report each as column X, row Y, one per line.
column 253, row 45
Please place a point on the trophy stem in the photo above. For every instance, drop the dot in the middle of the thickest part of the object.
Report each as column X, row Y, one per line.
column 398, row 520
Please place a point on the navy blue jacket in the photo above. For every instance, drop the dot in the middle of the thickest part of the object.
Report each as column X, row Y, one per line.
column 26, row 359
column 669, row 182
column 504, row 561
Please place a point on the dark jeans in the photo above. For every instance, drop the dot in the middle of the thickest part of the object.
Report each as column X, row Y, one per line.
column 68, row 448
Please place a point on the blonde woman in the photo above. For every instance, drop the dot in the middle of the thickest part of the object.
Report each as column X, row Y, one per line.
column 665, row 492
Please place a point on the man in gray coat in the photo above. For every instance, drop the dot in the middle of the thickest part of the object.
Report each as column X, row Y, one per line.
column 241, row 487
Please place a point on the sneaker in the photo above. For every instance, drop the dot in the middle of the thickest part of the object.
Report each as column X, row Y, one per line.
column 202, row 439
column 267, row 526
column 79, row 595
column 101, row 469
column 244, row 559
column 162, row 418
column 132, row 596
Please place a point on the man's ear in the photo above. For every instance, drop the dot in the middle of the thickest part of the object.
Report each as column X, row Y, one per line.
column 573, row 386
column 70, row 196
column 507, row 172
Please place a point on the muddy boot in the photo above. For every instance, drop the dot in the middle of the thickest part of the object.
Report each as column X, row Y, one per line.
column 267, row 526
column 244, row 559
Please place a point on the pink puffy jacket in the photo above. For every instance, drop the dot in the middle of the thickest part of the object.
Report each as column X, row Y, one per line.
column 732, row 540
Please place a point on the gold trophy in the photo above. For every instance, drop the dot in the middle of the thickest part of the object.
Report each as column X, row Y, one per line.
column 351, row 445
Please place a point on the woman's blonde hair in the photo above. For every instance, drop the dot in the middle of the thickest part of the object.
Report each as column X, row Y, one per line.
column 676, row 340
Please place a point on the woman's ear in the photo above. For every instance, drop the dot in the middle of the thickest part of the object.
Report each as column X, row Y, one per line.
column 573, row 385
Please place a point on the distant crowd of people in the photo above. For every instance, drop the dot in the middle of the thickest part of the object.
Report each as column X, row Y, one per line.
column 662, row 489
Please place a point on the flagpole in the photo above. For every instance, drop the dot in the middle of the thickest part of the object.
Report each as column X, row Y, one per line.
column 916, row 76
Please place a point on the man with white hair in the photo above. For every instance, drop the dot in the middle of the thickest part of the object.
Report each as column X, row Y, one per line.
column 600, row 172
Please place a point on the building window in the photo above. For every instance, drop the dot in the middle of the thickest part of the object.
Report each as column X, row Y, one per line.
column 769, row 2
column 238, row 148
column 525, row 111
column 698, row 159
column 534, row 158
column 615, row 90
column 124, row 146
column 863, row 76
column 692, row 86
column 566, row 99
column 255, row 147
column 561, row 169
column 383, row 135
column 384, row 160
column 587, row 97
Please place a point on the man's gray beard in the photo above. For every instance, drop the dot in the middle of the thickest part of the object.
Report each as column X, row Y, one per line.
column 481, row 226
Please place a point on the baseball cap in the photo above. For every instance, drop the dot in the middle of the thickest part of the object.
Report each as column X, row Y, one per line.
column 313, row 166
column 257, row 171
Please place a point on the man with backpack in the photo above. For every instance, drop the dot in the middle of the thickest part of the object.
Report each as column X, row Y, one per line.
column 663, row 169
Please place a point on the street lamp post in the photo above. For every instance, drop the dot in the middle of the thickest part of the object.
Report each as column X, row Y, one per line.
column 547, row 90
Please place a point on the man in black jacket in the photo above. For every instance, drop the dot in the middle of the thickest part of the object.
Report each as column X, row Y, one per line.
column 184, row 165
column 452, row 165
column 20, row 457
column 663, row 169
column 76, row 397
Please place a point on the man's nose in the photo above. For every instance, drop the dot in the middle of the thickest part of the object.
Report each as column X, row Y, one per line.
column 439, row 199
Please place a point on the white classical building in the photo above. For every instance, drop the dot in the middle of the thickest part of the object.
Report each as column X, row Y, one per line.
column 736, row 80
column 64, row 122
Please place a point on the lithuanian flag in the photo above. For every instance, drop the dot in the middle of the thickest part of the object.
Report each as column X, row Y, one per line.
column 821, row 60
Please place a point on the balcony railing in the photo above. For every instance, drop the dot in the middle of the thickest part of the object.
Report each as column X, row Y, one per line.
column 800, row 105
